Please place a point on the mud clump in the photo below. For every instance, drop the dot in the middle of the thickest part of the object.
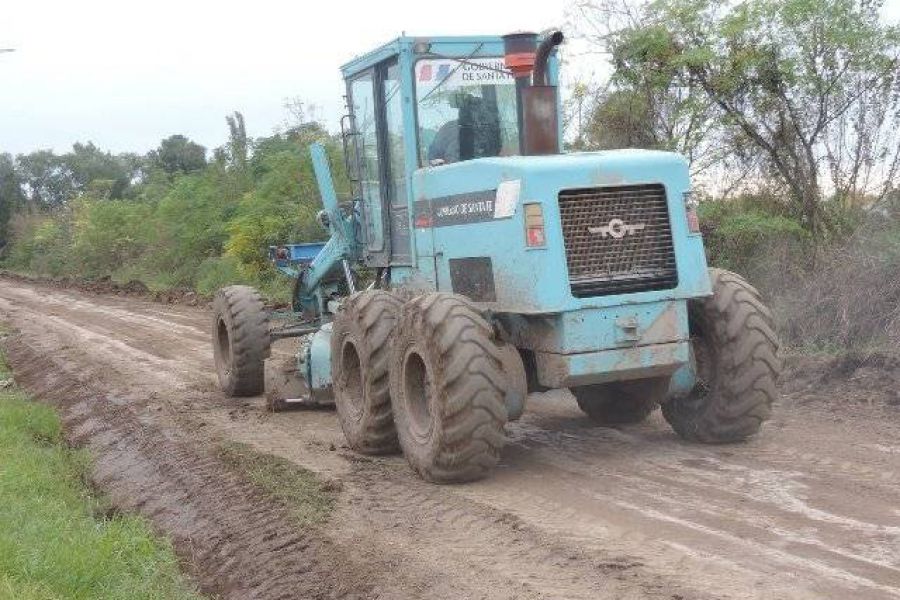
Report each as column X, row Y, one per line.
column 104, row 285
column 178, row 296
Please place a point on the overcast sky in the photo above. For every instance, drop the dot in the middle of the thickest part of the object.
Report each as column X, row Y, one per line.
column 125, row 74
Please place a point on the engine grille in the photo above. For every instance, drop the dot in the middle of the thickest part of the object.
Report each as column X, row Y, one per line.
column 607, row 249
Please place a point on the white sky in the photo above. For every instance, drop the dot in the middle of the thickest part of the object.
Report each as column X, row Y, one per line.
column 125, row 74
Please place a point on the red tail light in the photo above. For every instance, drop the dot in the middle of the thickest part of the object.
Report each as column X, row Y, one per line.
column 534, row 226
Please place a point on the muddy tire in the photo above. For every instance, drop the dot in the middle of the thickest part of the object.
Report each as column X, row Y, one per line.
column 240, row 340
column 737, row 358
column 360, row 359
column 447, row 389
column 621, row 402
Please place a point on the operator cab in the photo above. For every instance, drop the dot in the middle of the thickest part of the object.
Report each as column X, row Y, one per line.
column 422, row 103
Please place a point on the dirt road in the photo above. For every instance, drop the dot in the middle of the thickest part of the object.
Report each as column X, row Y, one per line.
column 809, row 510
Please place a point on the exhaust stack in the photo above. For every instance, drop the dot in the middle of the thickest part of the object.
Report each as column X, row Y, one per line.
column 537, row 101
column 541, row 121
column 519, row 56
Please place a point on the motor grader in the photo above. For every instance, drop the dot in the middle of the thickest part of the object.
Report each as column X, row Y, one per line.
column 476, row 263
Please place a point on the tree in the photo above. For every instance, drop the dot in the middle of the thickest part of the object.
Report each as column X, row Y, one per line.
column 806, row 90
column 237, row 140
column 11, row 196
column 633, row 115
column 622, row 118
column 87, row 164
column 648, row 107
column 50, row 181
column 46, row 179
column 178, row 154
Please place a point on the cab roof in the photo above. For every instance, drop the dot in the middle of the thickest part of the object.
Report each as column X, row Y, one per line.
column 457, row 46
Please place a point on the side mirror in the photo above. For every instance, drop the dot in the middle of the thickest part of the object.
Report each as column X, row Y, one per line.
column 348, row 141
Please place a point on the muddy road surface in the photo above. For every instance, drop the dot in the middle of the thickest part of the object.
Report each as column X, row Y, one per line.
column 808, row 510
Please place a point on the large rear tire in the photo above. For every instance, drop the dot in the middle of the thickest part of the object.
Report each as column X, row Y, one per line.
column 736, row 353
column 360, row 354
column 621, row 402
column 448, row 389
column 240, row 340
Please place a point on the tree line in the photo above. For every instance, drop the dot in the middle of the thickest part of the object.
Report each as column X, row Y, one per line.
column 177, row 216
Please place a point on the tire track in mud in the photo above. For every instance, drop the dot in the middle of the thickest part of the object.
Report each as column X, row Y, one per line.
column 726, row 501
column 490, row 544
column 469, row 548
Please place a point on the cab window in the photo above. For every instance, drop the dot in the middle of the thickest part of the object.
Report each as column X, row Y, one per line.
column 393, row 121
column 466, row 109
column 362, row 94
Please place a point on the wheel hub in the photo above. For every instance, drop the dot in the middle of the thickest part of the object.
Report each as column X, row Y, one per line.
column 417, row 395
column 352, row 378
column 224, row 342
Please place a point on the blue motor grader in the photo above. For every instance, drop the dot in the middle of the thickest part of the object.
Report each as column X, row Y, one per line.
column 477, row 262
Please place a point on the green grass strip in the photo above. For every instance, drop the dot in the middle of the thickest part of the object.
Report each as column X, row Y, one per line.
column 305, row 496
column 59, row 540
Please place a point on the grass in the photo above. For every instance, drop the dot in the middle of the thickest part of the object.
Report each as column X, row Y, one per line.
column 58, row 539
column 306, row 497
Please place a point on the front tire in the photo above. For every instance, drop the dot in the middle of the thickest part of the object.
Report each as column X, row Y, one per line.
column 621, row 402
column 360, row 352
column 240, row 340
column 448, row 388
column 736, row 353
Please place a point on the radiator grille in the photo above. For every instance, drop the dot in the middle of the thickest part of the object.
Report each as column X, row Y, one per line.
column 617, row 240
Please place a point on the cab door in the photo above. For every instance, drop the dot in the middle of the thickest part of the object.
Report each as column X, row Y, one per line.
column 364, row 108
column 377, row 103
column 394, row 144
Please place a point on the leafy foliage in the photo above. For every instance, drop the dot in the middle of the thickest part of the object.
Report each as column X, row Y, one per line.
column 177, row 154
column 751, row 235
column 11, row 196
column 169, row 219
column 805, row 93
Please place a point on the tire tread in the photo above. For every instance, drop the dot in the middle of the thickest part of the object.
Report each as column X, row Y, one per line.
column 243, row 310
column 468, row 376
column 371, row 315
column 742, row 330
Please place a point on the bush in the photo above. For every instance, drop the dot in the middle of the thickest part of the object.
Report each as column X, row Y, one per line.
column 852, row 299
column 41, row 243
column 841, row 294
column 108, row 234
column 281, row 207
column 220, row 271
column 749, row 236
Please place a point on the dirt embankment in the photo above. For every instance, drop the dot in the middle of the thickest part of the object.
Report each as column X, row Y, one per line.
column 235, row 541
column 854, row 380
column 105, row 286
column 807, row 510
